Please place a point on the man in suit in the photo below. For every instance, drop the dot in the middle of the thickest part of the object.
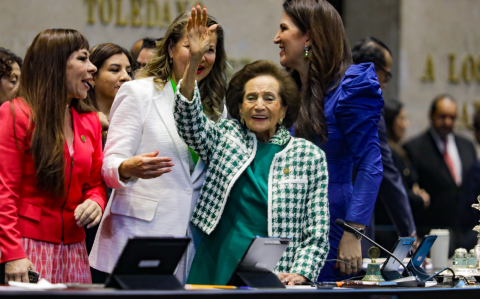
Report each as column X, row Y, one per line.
column 442, row 160
column 392, row 199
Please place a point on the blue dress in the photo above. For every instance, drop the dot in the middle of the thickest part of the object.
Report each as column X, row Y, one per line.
column 352, row 111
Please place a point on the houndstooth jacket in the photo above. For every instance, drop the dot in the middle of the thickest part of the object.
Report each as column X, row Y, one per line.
column 297, row 183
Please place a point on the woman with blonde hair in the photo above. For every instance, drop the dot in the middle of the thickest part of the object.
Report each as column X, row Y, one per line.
column 156, row 177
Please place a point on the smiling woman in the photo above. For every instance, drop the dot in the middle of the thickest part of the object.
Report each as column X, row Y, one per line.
column 156, row 177
column 50, row 163
column 261, row 181
column 114, row 67
column 10, row 65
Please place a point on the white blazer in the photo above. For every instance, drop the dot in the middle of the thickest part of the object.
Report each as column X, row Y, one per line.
column 141, row 121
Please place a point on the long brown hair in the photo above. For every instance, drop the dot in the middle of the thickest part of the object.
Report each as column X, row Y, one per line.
column 329, row 57
column 98, row 55
column 43, row 87
column 213, row 87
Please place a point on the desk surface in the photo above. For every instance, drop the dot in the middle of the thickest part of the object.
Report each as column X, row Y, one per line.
column 407, row 293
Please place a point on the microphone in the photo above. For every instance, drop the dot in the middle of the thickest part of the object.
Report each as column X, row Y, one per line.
column 353, row 230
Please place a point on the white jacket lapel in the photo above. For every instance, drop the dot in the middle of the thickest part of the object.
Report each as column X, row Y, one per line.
column 164, row 103
column 198, row 170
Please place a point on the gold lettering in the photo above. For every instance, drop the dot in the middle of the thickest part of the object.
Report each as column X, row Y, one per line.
column 451, row 69
column 465, row 116
column 91, row 4
column 119, row 21
column 152, row 7
column 476, row 105
column 105, row 18
column 165, row 21
column 429, row 72
column 468, row 68
column 182, row 6
column 478, row 69
column 136, row 17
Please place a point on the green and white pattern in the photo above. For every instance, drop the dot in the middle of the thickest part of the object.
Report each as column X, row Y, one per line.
column 297, row 183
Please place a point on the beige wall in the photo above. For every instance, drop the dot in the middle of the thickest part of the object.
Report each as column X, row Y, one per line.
column 380, row 19
column 413, row 29
column 438, row 27
column 250, row 25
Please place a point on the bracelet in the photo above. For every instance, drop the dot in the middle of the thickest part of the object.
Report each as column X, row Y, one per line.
column 121, row 177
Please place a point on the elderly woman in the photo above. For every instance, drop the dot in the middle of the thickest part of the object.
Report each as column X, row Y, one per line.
column 260, row 180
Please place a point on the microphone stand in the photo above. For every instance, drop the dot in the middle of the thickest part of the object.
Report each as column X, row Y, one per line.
column 343, row 224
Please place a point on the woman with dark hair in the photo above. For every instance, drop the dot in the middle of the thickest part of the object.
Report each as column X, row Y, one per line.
column 114, row 67
column 150, row 198
column 341, row 106
column 260, row 180
column 50, row 163
column 396, row 122
column 10, row 65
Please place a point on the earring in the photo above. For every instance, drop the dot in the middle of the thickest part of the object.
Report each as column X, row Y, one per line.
column 306, row 52
column 280, row 121
column 242, row 120
column 171, row 60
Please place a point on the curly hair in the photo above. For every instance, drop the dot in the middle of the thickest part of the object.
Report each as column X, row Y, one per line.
column 7, row 58
column 288, row 90
column 329, row 57
column 213, row 87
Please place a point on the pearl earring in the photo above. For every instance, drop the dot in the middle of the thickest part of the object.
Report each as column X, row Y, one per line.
column 306, row 52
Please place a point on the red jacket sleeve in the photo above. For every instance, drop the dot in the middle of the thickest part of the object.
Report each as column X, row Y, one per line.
column 12, row 151
column 96, row 189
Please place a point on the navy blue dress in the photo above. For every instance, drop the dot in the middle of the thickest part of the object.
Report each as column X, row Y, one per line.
column 352, row 111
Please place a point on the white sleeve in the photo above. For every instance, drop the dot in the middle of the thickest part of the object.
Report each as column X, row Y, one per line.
column 127, row 116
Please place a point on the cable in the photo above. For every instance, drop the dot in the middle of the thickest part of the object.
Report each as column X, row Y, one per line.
column 436, row 274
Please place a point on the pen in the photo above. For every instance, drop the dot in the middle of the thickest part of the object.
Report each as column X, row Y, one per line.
column 202, row 286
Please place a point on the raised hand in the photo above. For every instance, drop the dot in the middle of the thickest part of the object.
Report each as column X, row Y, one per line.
column 199, row 36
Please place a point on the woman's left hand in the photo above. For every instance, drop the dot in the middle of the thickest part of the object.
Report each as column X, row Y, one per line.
column 89, row 212
column 199, row 36
column 291, row 278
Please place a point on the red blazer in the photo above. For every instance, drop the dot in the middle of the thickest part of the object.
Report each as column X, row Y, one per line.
column 28, row 212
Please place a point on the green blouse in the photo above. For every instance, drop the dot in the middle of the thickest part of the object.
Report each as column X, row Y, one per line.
column 245, row 216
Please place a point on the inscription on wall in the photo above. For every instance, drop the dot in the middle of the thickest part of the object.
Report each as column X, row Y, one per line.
column 464, row 69
column 136, row 13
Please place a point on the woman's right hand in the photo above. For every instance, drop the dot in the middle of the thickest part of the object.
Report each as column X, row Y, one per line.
column 17, row 270
column 199, row 41
column 145, row 166
column 199, row 36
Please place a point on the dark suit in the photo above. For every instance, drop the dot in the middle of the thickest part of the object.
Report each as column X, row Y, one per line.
column 435, row 177
column 392, row 204
column 392, row 194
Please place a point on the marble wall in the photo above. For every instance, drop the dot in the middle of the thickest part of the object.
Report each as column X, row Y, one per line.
column 435, row 43
column 439, row 52
column 249, row 25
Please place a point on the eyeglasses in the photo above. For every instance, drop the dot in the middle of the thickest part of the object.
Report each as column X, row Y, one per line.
column 388, row 75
